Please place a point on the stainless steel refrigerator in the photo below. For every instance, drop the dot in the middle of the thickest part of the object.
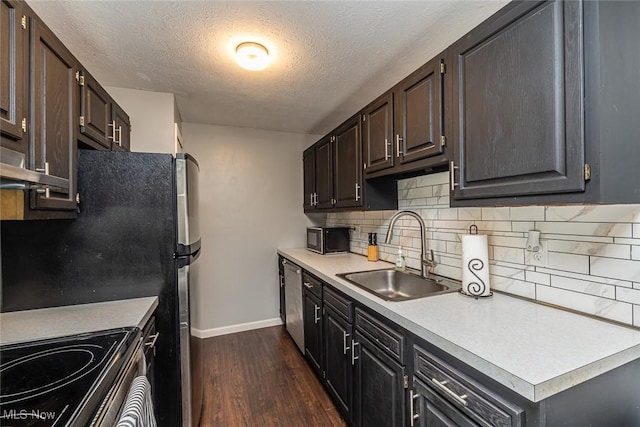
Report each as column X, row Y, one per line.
column 188, row 250
column 136, row 235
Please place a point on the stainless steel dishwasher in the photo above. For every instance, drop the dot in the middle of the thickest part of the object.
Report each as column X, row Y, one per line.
column 293, row 302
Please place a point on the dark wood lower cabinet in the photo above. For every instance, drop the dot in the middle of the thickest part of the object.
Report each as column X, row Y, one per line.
column 379, row 392
column 430, row 410
column 337, row 359
column 313, row 330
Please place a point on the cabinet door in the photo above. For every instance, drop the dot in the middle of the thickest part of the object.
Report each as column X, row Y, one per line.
column 309, row 166
column 419, row 114
column 54, row 106
column 337, row 360
column 313, row 331
column 324, row 174
column 121, row 129
column 377, row 134
column 378, row 387
column 517, row 111
column 347, row 173
column 95, row 111
column 13, row 75
column 430, row 410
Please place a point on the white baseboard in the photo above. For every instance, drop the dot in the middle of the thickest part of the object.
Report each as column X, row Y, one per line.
column 214, row 332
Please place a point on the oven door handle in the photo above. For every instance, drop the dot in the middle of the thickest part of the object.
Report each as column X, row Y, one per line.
column 151, row 340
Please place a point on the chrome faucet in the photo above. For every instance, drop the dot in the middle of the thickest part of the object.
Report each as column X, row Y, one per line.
column 426, row 263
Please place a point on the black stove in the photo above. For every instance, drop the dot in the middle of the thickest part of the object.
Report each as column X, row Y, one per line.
column 59, row 382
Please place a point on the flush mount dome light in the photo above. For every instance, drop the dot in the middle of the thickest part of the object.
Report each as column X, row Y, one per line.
column 252, row 56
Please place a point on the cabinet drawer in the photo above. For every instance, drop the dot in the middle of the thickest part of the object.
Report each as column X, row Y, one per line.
column 338, row 303
column 387, row 339
column 474, row 400
column 312, row 284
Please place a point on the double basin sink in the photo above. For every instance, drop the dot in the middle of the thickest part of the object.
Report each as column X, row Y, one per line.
column 394, row 285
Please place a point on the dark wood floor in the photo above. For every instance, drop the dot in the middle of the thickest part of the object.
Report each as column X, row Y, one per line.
column 260, row 378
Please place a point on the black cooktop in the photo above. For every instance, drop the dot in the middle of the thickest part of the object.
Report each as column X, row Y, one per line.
column 49, row 382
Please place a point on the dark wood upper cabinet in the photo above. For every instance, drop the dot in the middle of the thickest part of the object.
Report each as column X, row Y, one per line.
column 419, row 114
column 347, row 173
column 517, row 93
column 403, row 130
column 14, row 39
column 333, row 174
column 103, row 123
column 95, row 113
column 377, row 134
column 309, row 171
column 49, row 104
column 121, row 125
column 324, row 173
column 53, row 103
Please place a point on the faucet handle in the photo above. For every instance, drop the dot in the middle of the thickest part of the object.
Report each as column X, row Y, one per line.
column 430, row 259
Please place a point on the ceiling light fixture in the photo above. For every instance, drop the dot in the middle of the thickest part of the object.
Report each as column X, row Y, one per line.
column 252, row 56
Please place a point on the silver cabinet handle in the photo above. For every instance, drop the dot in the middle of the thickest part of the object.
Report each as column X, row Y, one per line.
column 344, row 342
column 112, row 125
column 398, row 141
column 46, row 191
column 413, row 415
column 311, row 199
column 357, row 191
column 441, row 385
column 353, row 352
column 316, row 313
column 281, row 281
column 45, row 169
column 307, row 285
column 386, row 149
column 119, row 140
column 452, row 168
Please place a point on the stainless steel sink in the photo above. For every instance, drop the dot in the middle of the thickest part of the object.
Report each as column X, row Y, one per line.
column 393, row 285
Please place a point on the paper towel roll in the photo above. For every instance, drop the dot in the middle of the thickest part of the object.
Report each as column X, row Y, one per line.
column 475, row 265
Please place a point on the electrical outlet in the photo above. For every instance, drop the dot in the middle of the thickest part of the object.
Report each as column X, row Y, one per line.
column 540, row 258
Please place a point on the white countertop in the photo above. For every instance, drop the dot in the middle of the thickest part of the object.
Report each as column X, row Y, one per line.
column 532, row 349
column 30, row 325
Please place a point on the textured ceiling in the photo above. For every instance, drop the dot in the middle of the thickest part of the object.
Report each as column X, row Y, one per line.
column 330, row 58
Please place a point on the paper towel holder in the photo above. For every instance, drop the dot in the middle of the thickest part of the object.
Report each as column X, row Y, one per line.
column 473, row 230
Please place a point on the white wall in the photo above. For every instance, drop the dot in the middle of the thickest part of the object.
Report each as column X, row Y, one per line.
column 250, row 205
column 152, row 117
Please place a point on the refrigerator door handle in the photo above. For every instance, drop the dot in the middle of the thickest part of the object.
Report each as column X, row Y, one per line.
column 188, row 250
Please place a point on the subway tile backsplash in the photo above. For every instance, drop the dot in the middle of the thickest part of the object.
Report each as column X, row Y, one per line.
column 594, row 250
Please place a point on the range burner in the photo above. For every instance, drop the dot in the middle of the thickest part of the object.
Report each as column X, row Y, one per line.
column 48, row 383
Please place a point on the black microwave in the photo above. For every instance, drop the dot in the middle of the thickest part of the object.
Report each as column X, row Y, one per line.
column 328, row 240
